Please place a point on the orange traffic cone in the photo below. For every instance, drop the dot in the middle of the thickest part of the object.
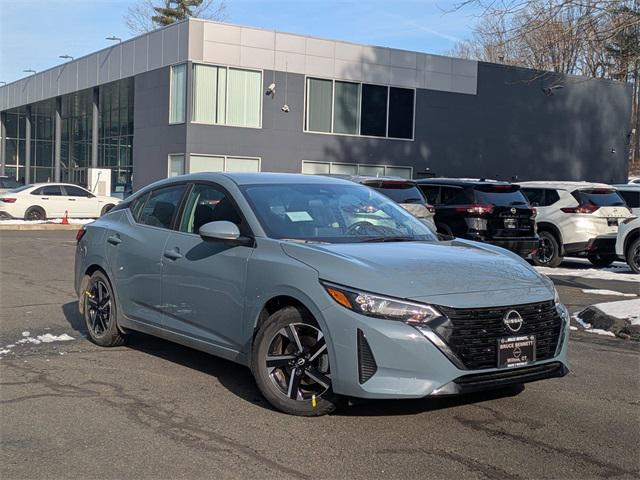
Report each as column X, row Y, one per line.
column 65, row 219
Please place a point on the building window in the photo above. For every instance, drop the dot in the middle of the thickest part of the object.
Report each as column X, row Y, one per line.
column 222, row 163
column 348, row 108
column 176, row 164
column 227, row 96
column 311, row 167
column 178, row 102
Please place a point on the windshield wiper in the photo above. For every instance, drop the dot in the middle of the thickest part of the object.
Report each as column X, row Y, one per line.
column 389, row 239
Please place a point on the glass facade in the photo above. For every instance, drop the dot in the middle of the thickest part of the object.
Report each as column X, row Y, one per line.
column 75, row 149
column 42, row 141
column 15, row 121
column 115, row 133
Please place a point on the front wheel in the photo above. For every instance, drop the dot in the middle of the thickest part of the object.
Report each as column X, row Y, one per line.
column 601, row 261
column 633, row 255
column 291, row 364
column 548, row 253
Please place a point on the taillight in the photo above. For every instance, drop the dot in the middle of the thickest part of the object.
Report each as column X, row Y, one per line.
column 8, row 200
column 80, row 234
column 534, row 212
column 588, row 208
column 430, row 207
column 477, row 209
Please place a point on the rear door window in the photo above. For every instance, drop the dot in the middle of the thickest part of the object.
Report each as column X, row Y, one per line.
column 162, row 206
column 454, row 196
column 599, row 197
column 501, row 196
column 49, row 191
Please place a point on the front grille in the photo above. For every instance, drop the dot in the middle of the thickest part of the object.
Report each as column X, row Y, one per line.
column 366, row 363
column 472, row 333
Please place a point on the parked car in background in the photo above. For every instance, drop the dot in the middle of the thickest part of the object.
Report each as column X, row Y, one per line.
column 631, row 194
column 634, row 180
column 8, row 183
column 628, row 242
column 279, row 272
column 483, row 210
column 51, row 200
column 402, row 191
column 575, row 218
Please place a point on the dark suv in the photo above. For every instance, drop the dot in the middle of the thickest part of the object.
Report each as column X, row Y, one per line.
column 482, row 210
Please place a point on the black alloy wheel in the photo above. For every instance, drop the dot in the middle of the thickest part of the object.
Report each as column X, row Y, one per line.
column 35, row 214
column 100, row 312
column 548, row 253
column 633, row 255
column 298, row 362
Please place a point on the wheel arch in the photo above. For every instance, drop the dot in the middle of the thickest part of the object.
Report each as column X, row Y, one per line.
column 630, row 238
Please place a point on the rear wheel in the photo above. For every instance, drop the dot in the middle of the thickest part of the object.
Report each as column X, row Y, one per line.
column 548, row 254
column 633, row 255
column 601, row 261
column 35, row 214
column 291, row 364
column 100, row 312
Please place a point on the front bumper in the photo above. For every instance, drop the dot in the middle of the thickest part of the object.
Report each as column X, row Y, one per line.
column 407, row 364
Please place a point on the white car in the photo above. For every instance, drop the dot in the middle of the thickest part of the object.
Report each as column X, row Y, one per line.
column 628, row 243
column 51, row 200
column 575, row 218
column 634, row 180
column 631, row 194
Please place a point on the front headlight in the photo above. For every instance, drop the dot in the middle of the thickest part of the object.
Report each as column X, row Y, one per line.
column 560, row 307
column 377, row 306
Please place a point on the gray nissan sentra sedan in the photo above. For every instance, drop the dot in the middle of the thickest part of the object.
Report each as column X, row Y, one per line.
column 324, row 288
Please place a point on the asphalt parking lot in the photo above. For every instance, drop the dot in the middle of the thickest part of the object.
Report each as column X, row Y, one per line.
column 152, row 409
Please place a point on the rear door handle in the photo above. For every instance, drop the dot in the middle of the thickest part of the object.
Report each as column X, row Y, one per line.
column 114, row 240
column 44, row 198
column 71, row 199
column 173, row 254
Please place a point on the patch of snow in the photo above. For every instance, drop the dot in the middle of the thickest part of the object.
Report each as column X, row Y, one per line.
column 599, row 331
column 624, row 309
column 612, row 273
column 26, row 334
column 48, row 338
column 72, row 221
column 611, row 293
column 573, row 328
column 4, row 351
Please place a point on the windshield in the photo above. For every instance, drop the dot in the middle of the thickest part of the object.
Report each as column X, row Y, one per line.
column 500, row 196
column 599, row 197
column 332, row 213
column 400, row 192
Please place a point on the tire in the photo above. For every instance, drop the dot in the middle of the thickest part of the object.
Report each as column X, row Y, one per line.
column 548, row 254
column 100, row 312
column 106, row 209
column 601, row 261
column 35, row 213
column 632, row 255
column 275, row 338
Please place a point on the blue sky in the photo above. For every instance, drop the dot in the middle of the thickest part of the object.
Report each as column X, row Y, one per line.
column 33, row 33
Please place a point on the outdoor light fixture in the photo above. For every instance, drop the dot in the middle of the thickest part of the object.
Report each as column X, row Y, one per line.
column 271, row 90
column 114, row 39
column 29, row 71
column 68, row 57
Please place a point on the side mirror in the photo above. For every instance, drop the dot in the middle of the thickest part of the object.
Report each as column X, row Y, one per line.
column 221, row 230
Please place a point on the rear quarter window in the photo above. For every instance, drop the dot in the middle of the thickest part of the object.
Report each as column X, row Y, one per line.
column 632, row 198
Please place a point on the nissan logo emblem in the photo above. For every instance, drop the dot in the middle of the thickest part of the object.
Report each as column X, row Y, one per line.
column 513, row 321
column 513, row 210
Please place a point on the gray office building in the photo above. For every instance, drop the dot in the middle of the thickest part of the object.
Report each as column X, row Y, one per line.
column 200, row 95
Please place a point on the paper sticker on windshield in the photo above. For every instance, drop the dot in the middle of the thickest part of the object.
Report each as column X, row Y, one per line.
column 299, row 216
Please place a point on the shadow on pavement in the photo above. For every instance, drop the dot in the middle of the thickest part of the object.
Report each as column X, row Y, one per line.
column 239, row 381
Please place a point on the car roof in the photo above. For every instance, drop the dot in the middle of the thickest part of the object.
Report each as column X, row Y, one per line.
column 461, row 182
column 561, row 185
column 369, row 178
column 627, row 187
column 265, row 178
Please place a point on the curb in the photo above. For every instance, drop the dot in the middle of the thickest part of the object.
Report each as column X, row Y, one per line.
column 40, row 226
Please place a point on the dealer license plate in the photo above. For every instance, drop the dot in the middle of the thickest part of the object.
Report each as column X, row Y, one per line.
column 510, row 223
column 516, row 351
column 612, row 222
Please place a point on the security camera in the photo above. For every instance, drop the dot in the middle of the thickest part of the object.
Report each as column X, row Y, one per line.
column 271, row 90
column 285, row 108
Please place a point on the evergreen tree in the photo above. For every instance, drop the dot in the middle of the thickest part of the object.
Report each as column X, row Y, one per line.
column 174, row 11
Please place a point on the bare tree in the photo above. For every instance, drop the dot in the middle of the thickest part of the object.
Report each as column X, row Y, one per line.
column 140, row 16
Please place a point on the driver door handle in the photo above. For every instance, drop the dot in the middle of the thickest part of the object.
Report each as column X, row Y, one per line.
column 173, row 254
column 114, row 240
column 72, row 199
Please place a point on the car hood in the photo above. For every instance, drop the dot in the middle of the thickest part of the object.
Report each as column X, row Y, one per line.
column 456, row 273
